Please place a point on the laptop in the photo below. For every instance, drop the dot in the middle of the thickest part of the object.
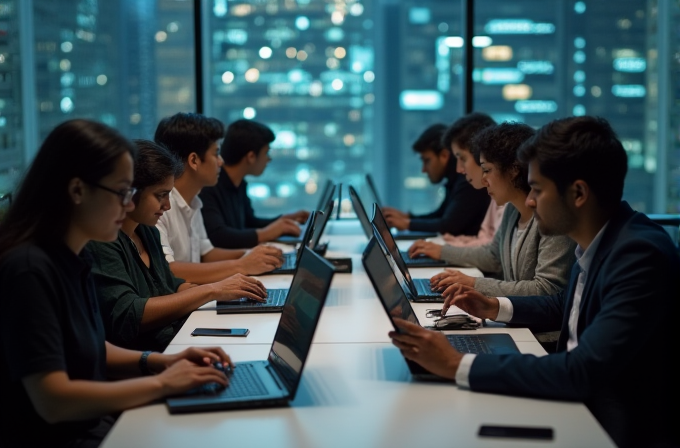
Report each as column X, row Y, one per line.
column 394, row 297
column 380, row 225
column 290, row 259
column 419, row 287
column 327, row 198
column 398, row 234
column 274, row 382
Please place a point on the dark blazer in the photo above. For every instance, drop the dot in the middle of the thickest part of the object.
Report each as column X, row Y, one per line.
column 228, row 215
column 622, row 368
column 462, row 210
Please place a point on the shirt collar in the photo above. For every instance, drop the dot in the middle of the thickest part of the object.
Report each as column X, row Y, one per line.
column 186, row 209
column 585, row 257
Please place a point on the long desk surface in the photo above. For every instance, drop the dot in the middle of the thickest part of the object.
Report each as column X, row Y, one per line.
column 356, row 389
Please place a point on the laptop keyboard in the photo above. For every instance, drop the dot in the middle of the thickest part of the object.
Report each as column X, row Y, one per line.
column 243, row 382
column 289, row 260
column 417, row 260
column 424, row 289
column 468, row 343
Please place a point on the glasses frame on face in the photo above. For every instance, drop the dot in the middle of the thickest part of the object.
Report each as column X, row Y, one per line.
column 125, row 194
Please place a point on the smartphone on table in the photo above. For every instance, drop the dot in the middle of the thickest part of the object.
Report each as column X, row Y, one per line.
column 228, row 332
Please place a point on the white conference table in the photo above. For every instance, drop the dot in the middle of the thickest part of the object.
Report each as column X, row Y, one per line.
column 356, row 390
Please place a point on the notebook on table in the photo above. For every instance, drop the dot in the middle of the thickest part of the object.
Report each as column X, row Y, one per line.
column 274, row 382
column 398, row 234
column 394, row 296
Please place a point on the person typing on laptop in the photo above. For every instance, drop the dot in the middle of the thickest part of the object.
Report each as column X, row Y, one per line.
column 194, row 139
column 143, row 304
column 528, row 263
column 227, row 211
column 463, row 208
column 62, row 382
column 617, row 341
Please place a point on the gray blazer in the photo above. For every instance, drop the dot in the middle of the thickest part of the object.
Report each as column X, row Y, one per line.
column 543, row 262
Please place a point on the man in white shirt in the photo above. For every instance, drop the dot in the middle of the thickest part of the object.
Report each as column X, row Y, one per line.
column 194, row 139
column 615, row 351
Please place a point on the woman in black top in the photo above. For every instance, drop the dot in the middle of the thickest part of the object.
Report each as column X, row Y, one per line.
column 143, row 303
column 54, row 361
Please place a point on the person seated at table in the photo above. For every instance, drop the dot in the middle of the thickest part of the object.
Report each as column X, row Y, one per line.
column 194, row 138
column 143, row 304
column 528, row 263
column 468, row 166
column 618, row 313
column 227, row 211
column 463, row 208
column 57, row 371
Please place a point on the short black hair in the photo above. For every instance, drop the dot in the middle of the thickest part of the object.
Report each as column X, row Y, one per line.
column 154, row 164
column 184, row 133
column 430, row 139
column 585, row 148
column 242, row 137
column 499, row 146
column 463, row 129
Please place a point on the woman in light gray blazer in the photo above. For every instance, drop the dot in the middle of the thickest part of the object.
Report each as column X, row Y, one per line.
column 528, row 262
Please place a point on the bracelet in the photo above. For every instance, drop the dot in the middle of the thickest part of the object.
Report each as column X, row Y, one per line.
column 144, row 363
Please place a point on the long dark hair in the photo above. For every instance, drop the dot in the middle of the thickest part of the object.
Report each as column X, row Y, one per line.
column 42, row 208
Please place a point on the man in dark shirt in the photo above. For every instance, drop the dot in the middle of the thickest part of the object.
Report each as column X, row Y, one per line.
column 227, row 211
column 463, row 208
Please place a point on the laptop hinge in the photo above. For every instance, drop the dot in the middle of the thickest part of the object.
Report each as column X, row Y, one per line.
column 275, row 376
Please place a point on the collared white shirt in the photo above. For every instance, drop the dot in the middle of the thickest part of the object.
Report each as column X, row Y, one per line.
column 183, row 234
column 584, row 259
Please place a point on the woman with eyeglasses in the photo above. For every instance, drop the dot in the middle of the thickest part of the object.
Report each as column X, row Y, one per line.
column 143, row 303
column 60, row 380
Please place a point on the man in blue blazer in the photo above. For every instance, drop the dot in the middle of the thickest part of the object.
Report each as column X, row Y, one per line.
column 617, row 343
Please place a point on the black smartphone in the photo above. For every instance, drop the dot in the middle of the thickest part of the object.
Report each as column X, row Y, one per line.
column 236, row 332
column 516, row 432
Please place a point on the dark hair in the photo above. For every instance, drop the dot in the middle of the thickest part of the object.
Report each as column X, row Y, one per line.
column 584, row 148
column 154, row 164
column 465, row 128
column 242, row 137
column 430, row 139
column 184, row 133
column 499, row 146
column 42, row 209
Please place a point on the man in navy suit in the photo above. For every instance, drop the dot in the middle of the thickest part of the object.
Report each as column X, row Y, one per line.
column 617, row 343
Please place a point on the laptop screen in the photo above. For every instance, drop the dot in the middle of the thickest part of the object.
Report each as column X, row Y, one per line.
column 325, row 194
column 321, row 221
column 374, row 191
column 391, row 245
column 300, row 315
column 391, row 294
column 359, row 209
column 307, row 236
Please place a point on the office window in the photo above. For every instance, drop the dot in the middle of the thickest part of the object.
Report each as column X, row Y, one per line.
column 305, row 69
column 126, row 63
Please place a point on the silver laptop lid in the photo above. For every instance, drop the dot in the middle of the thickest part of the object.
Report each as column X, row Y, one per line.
column 300, row 317
column 359, row 209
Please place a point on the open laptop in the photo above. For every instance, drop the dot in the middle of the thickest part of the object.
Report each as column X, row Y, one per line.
column 276, row 298
column 380, row 224
column 327, row 197
column 419, row 287
column 290, row 259
column 394, row 297
column 398, row 234
column 274, row 382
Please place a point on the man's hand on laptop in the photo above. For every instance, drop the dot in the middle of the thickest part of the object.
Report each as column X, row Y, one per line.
column 450, row 277
column 282, row 226
column 472, row 302
column 396, row 218
column 428, row 348
column 261, row 259
column 299, row 216
column 239, row 286
column 426, row 249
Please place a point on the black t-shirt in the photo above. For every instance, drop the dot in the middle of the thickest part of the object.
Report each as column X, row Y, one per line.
column 49, row 321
